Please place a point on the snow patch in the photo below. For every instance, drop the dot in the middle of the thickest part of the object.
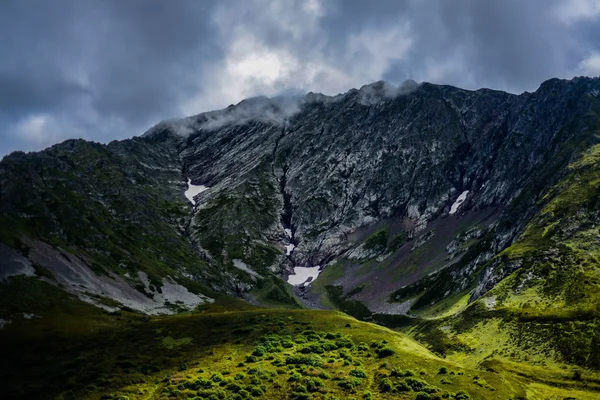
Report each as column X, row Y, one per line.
column 303, row 274
column 289, row 249
column 244, row 267
column 194, row 190
column 29, row 316
column 461, row 199
column 4, row 322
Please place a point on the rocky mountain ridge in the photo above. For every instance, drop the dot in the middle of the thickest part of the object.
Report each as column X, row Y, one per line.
column 364, row 185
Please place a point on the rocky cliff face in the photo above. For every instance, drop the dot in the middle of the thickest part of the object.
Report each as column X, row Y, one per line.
column 403, row 194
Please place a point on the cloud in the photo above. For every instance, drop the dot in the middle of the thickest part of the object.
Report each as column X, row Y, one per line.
column 572, row 11
column 34, row 129
column 590, row 66
column 111, row 69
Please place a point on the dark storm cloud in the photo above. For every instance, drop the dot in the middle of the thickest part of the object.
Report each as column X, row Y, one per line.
column 130, row 61
column 110, row 69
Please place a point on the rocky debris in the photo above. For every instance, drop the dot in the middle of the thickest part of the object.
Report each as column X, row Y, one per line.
column 421, row 240
column 76, row 277
column 493, row 274
column 402, row 308
column 242, row 265
column 170, row 293
column 13, row 263
column 457, row 245
column 490, row 302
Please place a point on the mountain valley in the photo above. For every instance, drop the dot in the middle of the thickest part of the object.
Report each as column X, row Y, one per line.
column 413, row 242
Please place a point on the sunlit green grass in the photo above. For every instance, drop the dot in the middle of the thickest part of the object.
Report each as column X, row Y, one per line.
column 227, row 350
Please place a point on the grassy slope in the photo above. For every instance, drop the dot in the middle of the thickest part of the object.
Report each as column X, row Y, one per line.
column 543, row 320
column 229, row 350
column 78, row 196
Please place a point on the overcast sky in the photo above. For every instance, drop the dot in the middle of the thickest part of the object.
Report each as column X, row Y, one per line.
column 110, row 69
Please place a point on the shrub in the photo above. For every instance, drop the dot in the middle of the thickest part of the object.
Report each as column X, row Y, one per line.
column 386, row 385
column 368, row 395
column 416, row 384
column 328, row 345
column 385, row 352
column 313, row 348
column 344, row 342
column 422, row 396
column 462, row 395
column 239, row 376
column 358, row 373
column 201, row 383
column 234, row 387
column 443, row 371
column 324, row 375
column 350, row 383
column 301, row 396
column 295, row 377
column 363, row 347
column 256, row 391
column 259, row 351
column 314, row 384
column 402, row 387
column 381, row 348
column 254, row 381
column 314, row 361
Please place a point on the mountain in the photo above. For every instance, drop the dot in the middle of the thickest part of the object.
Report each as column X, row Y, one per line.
column 465, row 219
